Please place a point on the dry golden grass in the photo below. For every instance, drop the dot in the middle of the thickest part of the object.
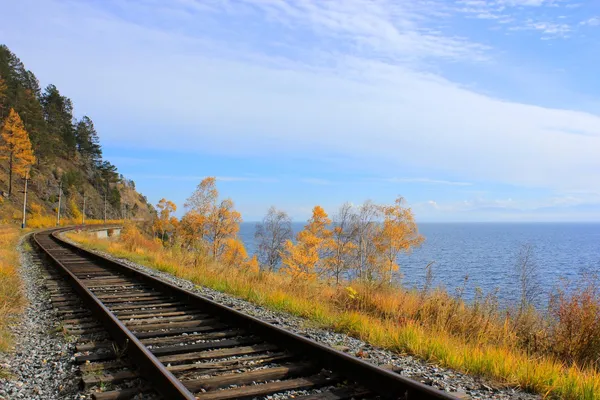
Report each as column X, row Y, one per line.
column 11, row 294
column 473, row 338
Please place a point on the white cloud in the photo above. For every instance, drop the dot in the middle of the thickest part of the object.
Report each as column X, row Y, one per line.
column 199, row 178
column 427, row 181
column 316, row 181
column 594, row 21
column 516, row 15
column 368, row 102
column 564, row 207
column 549, row 29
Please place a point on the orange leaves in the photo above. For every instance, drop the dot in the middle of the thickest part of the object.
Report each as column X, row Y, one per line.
column 306, row 257
column 398, row 233
column 212, row 225
column 165, row 224
column 363, row 243
column 234, row 252
column 252, row 265
column 15, row 146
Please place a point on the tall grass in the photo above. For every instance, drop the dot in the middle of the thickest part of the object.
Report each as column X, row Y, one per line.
column 476, row 338
column 11, row 293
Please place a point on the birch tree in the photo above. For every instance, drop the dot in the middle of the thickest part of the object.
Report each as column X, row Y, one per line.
column 271, row 235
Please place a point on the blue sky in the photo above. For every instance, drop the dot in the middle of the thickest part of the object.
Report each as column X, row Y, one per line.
column 473, row 110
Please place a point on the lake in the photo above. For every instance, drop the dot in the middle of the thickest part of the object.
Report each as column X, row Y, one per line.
column 487, row 253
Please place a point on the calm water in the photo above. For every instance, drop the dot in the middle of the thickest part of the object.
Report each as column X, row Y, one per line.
column 487, row 253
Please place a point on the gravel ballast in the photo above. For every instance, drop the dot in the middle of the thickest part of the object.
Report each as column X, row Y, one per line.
column 40, row 366
column 454, row 382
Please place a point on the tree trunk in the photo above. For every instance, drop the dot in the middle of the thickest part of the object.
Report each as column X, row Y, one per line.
column 10, row 174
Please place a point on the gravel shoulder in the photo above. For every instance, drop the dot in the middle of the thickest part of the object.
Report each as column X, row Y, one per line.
column 40, row 365
column 451, row 381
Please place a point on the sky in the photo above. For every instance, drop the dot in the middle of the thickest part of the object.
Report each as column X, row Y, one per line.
column 472, row 110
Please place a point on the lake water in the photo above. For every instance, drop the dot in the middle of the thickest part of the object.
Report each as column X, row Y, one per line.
column 487, row 253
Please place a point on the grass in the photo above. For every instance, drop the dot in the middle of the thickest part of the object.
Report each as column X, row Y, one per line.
column 434, row 326
column 11, row 292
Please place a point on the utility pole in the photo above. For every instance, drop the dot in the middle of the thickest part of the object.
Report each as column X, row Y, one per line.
column 104, row 207
column 59, row 198
column 83, row 213
column 25, row 200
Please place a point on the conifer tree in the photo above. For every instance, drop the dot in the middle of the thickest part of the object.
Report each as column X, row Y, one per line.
column 3, row 96
column 15, row 147
column 87, row 142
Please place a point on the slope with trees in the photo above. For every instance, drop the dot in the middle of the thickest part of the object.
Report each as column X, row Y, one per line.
column 41, row 139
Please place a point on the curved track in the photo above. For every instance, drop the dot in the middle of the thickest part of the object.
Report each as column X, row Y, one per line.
column 190, row 347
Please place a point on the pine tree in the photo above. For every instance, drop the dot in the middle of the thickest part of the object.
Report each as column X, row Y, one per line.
column 3, row 96
column 87, row 142
column 58, row 112
column 15, row 147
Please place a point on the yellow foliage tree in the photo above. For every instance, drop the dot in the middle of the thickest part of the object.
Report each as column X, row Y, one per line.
column 36, row 210
column 305, row 259
column 74, row 210
column 204, row 198
column 15, row 147
column 223, row 224
column 397, row 234
column 252, row 264
column 193, row 228
column 234, row 253
column 165, row 223
column 208, row 221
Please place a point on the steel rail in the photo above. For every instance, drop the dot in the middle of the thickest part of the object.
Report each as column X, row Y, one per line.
column 163, row 380
column 385, row 383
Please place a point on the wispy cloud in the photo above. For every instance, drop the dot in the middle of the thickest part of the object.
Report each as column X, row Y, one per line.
column 348, row 78
column 199, row 178
column 522, row 15
column 548, row 29
column 316, row 181
column 594, row 21
column 426, row 181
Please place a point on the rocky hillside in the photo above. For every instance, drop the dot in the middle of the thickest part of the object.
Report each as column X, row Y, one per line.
column 68, row 156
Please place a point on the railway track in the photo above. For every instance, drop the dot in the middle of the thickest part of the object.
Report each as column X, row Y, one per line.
column 186, row 346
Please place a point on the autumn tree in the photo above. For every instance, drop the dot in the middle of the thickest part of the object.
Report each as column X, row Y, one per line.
column 252, row 265
column 209, row 220
column 194, row 223
column 271, row 235
column 223, row 224
column 15, row 147
column 234, row 252
column 165, row 223
column 306, row 257
column 342, row 243
column 398, row 233
column 364, row 224
column 74, row 210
